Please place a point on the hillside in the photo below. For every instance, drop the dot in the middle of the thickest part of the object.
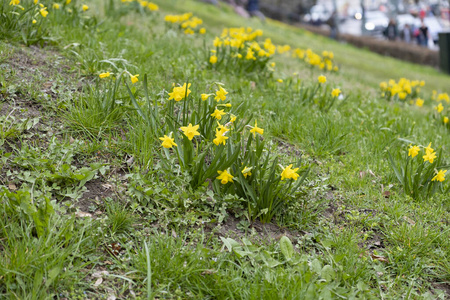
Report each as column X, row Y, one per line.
column 173, row 150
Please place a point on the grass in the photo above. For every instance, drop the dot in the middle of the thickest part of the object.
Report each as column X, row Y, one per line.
column 86, row 187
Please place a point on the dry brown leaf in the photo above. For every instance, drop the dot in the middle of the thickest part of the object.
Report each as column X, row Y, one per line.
column 208, row 272
column 379, row 258
column 12, row 186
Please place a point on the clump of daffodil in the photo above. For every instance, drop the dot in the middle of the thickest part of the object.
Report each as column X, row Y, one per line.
column 243, row 49
column 404, row 89
column 180, row 92
column 420, row 179
column 224, row 177
column 186, row 22
column 190, row 131
column 323, row 61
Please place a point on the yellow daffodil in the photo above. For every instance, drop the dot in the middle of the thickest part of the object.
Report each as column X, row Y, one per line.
column 218, row 114
column 167, row 142
column 445, row 120
column 413, row 151
column 428, row 149
column 190, row 131
column 221, row 94
column 180, row 92
column 335, row 92
column 202, row 31
column 68, row 2
column 222, row 128
column 205, row 96
column 85, row 7
column 429, row 157
column 232, row 118
column 443, row 97
column 55, row 5
column 14, row 2
column 104, row 75
column 152, row 6
column 419, row 102
column 256, row 129
column 134, row 78
column 220, row 137
column 440, row 176
column 280, row 80
column 43, row 12
column 34, row 21
column 289, row 173
column 213, row 59
column 439, row 108
column 224, row 177
column 246, row 171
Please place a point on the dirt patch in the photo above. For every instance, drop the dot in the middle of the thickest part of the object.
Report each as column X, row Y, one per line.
column 237, row 229
column 445, row 287
column 27, row 62
column 96, row 191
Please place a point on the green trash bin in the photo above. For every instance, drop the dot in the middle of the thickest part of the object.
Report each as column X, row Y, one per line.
column 444, row 51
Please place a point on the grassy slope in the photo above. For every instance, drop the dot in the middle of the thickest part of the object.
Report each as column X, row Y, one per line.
column 346, row 216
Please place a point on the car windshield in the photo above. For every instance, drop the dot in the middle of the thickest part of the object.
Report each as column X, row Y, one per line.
column 375, row 15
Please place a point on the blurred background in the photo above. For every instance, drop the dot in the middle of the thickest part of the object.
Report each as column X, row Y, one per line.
column 384, row 19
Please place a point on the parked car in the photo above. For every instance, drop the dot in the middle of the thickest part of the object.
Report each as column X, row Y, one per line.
column 375, row 22
column 318, row 15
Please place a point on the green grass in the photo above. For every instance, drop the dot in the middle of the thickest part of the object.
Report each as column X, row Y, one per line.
column 85, row 185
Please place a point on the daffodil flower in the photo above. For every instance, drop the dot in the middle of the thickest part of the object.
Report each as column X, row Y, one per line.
column 224, row 177
column 256, row 129
column 167, row 142
column 190, row 131
column 440, row 176
column 413, row 151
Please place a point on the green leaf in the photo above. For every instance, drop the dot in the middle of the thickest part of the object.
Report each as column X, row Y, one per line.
column 328, row 273
column 286, row 247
